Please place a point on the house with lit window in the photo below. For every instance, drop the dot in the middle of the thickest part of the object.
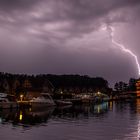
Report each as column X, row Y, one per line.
column 138, row 88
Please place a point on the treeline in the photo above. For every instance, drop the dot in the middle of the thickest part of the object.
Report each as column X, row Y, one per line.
column 85, row 83
column 77, row 81
column 130, row 86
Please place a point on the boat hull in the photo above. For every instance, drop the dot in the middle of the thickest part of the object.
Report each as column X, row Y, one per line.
column 8, row 105
column 41, row 104
column 63, row 103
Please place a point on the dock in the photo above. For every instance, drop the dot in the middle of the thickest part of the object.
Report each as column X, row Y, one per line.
column 24, row 104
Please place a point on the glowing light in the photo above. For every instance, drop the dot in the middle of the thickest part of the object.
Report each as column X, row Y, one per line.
column 20, row 116
column 21, row 97
column 98, row 109
column 30, row 109
column 111, row 105
column 111, row 30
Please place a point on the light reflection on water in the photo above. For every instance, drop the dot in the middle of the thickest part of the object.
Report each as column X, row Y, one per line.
column 106, row 121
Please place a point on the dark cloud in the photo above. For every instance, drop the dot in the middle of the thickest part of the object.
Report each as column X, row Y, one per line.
column 77, row 16
column 64, row 36
column 16, row 5
column 89, row 9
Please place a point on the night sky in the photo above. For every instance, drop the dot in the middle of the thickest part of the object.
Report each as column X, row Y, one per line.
column 66, row 37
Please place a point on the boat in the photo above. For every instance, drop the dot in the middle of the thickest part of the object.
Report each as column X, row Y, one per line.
column 42, row 101
column 101, row 97
column 63, row 102
column 86, row 98
column 105, row 99
column 7, row 101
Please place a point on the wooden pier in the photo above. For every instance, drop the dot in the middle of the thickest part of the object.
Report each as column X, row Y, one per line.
column 24, row 104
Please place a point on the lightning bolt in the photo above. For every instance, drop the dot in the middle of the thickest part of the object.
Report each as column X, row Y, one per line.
column 122, row 47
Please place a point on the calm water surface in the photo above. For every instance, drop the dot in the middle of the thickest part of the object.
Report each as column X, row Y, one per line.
column 107, row 121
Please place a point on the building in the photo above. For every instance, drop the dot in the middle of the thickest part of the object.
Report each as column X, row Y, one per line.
column 138, row 88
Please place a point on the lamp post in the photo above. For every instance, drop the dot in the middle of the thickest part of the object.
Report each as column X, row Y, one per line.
column 21, row 97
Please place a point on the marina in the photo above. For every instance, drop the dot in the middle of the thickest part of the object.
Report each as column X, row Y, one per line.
column 43, row 111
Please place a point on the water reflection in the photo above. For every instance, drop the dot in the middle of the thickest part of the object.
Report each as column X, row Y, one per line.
column 80, row 112
column 101, row 108
column 26, row 117
column 109, row 120
column 30, row 117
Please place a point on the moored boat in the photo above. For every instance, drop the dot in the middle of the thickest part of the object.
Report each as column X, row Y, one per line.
column 42, row 101
column 7, row 101
column 63, row 102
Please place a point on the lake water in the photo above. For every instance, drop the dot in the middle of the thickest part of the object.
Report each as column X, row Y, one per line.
column 107, row 121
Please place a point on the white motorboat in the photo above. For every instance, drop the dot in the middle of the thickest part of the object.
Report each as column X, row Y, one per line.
column 41, row 101
column 7, row 101
column 63, row 102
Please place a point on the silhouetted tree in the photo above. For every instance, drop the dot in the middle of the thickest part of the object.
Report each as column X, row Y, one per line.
column 132, row 84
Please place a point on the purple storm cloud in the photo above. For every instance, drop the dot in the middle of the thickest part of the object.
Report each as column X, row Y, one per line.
column 65, row 37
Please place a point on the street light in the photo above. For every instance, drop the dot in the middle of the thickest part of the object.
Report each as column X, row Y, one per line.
column 21, row 97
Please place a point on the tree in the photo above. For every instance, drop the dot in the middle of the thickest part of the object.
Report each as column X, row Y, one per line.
column 121, row 86
column 132, row 84
column 116, row 87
